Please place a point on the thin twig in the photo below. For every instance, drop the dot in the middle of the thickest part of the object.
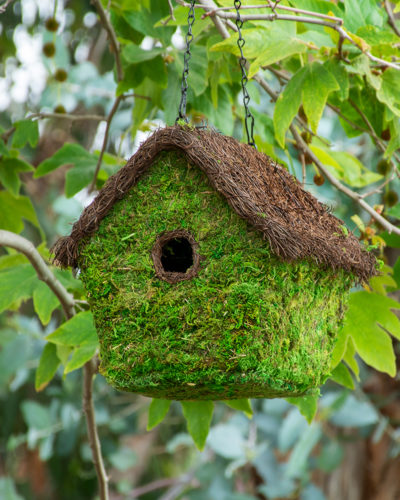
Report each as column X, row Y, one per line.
column 372, row 132
column 66, row 116
column 5, row 5
column 303, row 169
column 274, row 7
column 12, row 240
column 391, row 19
column 111, row 36
column 105, row 140
column 171, row 16
column 90, row 369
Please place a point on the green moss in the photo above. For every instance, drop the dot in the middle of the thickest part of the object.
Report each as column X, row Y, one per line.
column 249, row 325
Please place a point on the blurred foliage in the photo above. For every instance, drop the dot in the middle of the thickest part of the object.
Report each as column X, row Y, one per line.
column 349, row 109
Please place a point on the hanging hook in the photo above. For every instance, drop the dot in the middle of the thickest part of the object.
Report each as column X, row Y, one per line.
column 186, row 59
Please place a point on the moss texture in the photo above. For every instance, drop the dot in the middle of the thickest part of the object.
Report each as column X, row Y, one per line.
column 249, row 325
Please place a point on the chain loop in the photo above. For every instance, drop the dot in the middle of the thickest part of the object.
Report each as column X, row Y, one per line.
column 249, row 118
column 186, row 59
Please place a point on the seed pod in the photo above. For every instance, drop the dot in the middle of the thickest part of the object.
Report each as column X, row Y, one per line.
column 319, row 179
column 306, row 136
column 383, row 167
column 390, row 198
column 59, row 109
column 60, row 75
column 385, row 135
column 49, row 49
column 52, row 24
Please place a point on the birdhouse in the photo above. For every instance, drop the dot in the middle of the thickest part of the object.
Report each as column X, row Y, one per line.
column 211, row 273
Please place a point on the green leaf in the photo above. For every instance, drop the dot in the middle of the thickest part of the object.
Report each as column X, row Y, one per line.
column 307, row 405
column 63, row 352
column 198, row 415
column 80, row 356
column 389, row 91
column 337, row 69
column 243, row 405
column 317, row 85
column 84, row 165
column 278, row 46
column 16, row 284
column 25, row 131
column 48, row 364
column 297, row 463
column 341, row 375
column 9, row 170
column 157, row 412
column 134, row 54
column 79, row 330
column 368, row 319
column 287, row 105
column 394, row 211
column 13, row 210
column 8, row 490
column 339, row 349
column 359, row 13
column 44, row 302
column 349, row 358
column 345, row 167
column 36, row 416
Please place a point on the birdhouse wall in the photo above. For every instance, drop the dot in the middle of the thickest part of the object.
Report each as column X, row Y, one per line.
column 247, row 325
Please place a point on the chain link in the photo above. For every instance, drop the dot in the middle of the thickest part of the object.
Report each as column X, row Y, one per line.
column 249, row 118
column 186, row 59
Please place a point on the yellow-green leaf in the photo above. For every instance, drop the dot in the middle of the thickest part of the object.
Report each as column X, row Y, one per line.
column 48, row 364
column 198, row 416
column 157, row 412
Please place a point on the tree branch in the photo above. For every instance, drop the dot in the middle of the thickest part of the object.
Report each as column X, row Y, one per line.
column 12, row 240
column 111, row 36
column 5, row 5
column 90, row 369
column 105, row 140
column 391, row 19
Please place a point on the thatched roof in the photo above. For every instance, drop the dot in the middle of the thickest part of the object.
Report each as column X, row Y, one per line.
column 295, row 223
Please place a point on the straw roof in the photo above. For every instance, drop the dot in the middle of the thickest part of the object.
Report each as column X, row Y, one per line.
column 295, row 224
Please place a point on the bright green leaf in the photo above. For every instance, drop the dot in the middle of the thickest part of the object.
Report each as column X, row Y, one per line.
column 287, row 105
column 44, row 302
column 198, row 415
column 9, row 170
column 243, row 405
column 339, row 349
column 84, row 165
column 157, row 412
column 389, row 92
column 134, row 54
column 341, row 375
column 317, row 85
column 25, row 131
column 79, row 330
column 307, row 405
column 80, row 356
column 48, row 364
column 368, row 318
column 349, row 357
column 394, row 211
column 13, row 210
column 16, row 284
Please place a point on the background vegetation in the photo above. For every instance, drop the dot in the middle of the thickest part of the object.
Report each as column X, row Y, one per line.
column 81, row 84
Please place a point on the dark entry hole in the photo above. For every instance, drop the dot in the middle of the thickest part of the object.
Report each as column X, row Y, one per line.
column 177, row 255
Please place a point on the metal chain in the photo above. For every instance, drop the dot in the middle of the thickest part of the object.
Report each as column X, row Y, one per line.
column 249, row 118
column 186, row 59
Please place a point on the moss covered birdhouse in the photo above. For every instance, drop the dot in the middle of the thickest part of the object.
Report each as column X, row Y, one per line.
column 211, row 273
